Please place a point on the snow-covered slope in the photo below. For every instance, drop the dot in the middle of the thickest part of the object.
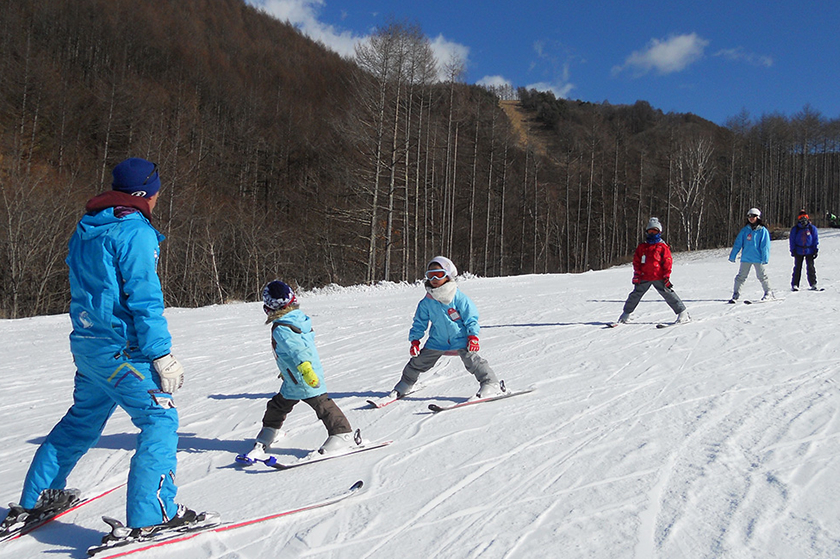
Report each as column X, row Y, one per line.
column 714, row 439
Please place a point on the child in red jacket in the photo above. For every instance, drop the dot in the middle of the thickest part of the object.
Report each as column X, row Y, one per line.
column 652, row 267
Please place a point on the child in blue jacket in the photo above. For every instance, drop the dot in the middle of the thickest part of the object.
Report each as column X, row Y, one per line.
column 293, row 343
column 804, row 245
column 452, row 321
column 753, row 242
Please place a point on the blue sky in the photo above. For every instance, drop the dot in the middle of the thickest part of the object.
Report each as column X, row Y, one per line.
column 713, row 58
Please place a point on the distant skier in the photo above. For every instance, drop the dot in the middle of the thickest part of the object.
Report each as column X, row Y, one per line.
column 121, row 347
column 804, row 245
column 652, row 264
column 293, row 343
column 452, row 321
column 753, row 242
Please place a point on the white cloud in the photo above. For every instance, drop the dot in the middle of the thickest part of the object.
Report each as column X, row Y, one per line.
column 303, row 14
column 446, row 52
column 738, row 55
column 494, row 82
column 665, row 56
column 560, row 90
column 558, row 68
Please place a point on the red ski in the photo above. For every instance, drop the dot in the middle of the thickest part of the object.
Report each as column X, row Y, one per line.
column 505, row 395
column 163, row 539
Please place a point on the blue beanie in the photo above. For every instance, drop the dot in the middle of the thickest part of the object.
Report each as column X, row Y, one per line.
column 137, row 177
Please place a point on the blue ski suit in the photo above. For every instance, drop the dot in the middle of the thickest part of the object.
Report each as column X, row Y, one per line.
column 116, row 310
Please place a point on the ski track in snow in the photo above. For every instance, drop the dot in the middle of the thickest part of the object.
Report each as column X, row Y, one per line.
column 718, row 438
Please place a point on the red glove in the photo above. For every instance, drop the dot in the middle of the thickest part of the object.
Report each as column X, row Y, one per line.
column 472, row 344
column 415, row 348
column 668, row 283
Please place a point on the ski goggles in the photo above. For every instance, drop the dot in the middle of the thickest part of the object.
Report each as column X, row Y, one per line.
column 438, row 273
column 752, row 215
column 653, row 231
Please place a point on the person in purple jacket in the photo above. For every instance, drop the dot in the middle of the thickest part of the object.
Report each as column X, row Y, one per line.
column 452, row 321
column 804, row 246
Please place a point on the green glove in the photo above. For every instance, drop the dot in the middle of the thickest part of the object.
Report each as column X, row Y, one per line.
column 309, row 375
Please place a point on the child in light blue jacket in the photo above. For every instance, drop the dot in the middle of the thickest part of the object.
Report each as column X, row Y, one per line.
column 753, row 242
column 451, row 319
column 293, row 343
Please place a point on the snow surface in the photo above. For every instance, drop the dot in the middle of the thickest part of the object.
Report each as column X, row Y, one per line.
column 718, row 438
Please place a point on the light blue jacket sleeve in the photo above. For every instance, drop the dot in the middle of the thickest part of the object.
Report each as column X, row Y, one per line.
column 293, row 347
column 738, row 245
column 469, row 313
column 421, row 321
column 764, row 245
column 137, row 256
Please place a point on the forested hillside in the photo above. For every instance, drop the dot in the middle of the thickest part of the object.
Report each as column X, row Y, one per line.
column 281, row 159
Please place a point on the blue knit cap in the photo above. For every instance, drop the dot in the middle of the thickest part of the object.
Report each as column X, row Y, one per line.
column 137, row 177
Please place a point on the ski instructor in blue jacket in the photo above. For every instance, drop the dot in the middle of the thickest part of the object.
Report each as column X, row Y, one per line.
column 121, row 348
column 753, row 242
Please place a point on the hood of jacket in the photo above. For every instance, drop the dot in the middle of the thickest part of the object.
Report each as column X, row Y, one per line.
column 107, row 211
column 297, row 318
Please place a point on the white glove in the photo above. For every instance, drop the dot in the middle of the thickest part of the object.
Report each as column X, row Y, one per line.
column 171, row 373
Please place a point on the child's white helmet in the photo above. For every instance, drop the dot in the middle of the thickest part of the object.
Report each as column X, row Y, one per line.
column 445, row 264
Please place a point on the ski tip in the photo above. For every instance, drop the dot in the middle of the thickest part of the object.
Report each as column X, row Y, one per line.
column 435, row 408
column 357, row 485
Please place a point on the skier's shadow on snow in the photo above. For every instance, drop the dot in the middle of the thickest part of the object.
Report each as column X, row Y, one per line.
column 652, row 301
column 260, row 396
column 520, row 325
column 364, row 394
column 61, row 533
column 267, row 396
column 187, row 442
